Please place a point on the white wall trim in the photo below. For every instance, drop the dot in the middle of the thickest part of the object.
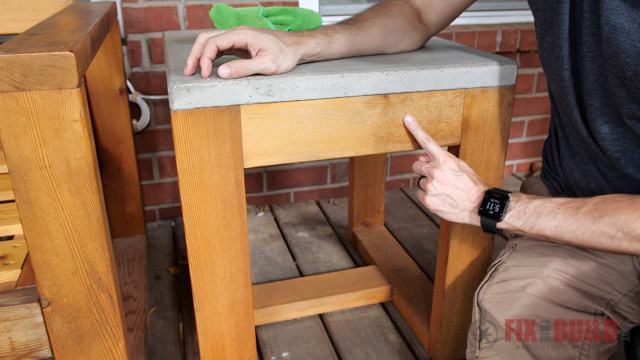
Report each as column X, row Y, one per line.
column 476, row 15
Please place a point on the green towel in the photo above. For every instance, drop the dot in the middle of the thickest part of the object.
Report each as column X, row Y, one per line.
column 285, row 18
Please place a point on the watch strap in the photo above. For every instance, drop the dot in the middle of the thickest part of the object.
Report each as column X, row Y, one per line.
column 489, row 226
column 501, row 191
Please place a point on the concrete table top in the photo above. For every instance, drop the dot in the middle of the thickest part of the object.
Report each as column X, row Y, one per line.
column 439, row 65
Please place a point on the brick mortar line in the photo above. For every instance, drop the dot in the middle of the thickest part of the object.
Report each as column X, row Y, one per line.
column 520, row 161
column 147, row 155
column 159, row 181
column 530, row 117
column 155, row 167
column 528, row 71
column 532, row 95
column 318, row 187
column 159, row 127
column 161, row 206
column 159, row 3
column 517, row 162
column 144, row 36
column 527, row 139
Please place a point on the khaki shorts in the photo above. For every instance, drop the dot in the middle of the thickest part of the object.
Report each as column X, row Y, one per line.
column 543, row 300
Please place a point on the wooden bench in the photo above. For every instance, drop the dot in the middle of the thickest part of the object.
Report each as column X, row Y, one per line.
column 344, row 108
column 67, row 138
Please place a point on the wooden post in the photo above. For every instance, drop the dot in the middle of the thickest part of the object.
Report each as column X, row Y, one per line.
column 49, row 146
column 464, row 251
column 208, row 146
column 107, row 94
column 367, row 178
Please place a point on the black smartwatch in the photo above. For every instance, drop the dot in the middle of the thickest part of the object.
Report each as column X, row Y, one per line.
column 492, row 209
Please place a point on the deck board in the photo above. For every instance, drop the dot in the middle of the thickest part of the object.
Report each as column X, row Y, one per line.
column 271, row 260
column 6, row 189
column 417, row 234
column 164, row 325
column 360, row 333
column 336, row 212
column 304, row 338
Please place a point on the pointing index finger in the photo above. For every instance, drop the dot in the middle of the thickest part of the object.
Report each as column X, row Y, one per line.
column 426, row 142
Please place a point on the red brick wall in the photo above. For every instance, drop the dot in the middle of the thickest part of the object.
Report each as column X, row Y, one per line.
column 531, row 108
column 146, row 19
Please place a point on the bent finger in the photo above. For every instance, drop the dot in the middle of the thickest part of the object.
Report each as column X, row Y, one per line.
column 198, row 47
column 424, row 158
column 225, row 41
column 245, row 67
column 422, row 168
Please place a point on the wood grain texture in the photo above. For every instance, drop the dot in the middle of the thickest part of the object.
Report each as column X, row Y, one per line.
column 111, row 120
column 17, row 16
column 358, row 333
column 19, row 297
column 297, row 131
column 411, row 290
column 55, row 53
column 48, row 142
column 304, row 338
column 113, row 133
column 9, row 219
column 3, row 163
column 312, row 295
column 208, row 146
column 367, row 179
column 131, row 262
column 12, row 257
column 24, row 335
column 27, row 276
column 464, row 251
column 6, row 189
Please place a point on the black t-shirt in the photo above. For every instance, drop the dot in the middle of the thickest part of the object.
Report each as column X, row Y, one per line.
column 590, row 53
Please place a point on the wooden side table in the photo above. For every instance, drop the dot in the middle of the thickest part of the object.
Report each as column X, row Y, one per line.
column 344, row 108
column 66, row 132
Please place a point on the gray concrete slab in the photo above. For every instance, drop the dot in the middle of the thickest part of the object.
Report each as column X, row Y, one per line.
column 440, row 65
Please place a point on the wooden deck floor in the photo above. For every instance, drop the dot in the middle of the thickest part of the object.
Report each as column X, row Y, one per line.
column 288, row 241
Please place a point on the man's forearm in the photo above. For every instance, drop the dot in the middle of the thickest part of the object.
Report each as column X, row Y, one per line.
column 390, row 27
column 608, row 222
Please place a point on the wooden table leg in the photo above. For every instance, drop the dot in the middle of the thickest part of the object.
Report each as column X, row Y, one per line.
column 49, row 146
column 111, row 119
column 208, row 146
column 464, row 252
column 367, row 178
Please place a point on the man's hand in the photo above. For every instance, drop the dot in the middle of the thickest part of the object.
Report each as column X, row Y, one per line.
column 266, row 52
column 453, row 190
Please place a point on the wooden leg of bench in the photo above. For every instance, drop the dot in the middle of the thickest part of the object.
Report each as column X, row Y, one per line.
column 107, row 92
column 464, row 252
column 208, row 146
column 367, row 176
column 49, row 146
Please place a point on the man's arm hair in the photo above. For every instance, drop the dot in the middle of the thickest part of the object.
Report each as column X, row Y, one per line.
column 607, row 222
column 453, row 191
column 391, row 26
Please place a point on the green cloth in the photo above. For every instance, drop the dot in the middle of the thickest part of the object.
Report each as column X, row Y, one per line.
column 285, row 18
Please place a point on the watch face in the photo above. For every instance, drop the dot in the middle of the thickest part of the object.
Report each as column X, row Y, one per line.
column 493, row 205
